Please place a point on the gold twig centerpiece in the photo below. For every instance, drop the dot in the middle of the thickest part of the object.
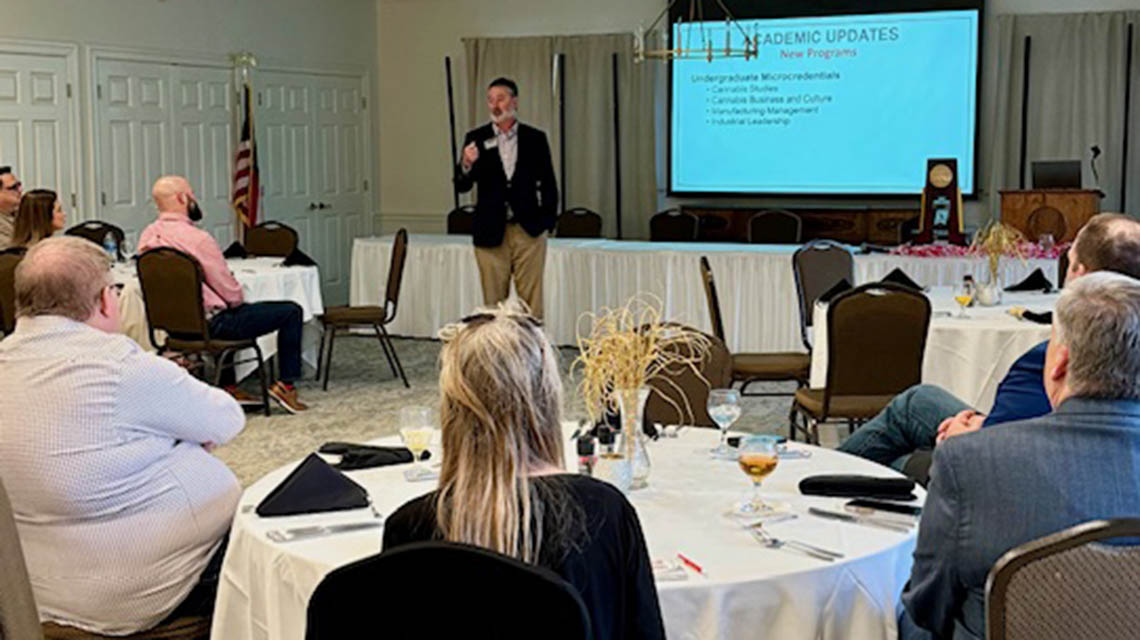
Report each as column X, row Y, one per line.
column 995, row 240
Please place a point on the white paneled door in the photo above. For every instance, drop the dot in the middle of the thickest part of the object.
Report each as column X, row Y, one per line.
column 37, row 106
column 311, row 140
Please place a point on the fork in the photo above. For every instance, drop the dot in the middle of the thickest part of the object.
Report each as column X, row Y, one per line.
column 776, row 543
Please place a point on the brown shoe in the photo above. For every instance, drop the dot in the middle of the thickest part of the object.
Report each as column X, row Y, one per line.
column 242, row 397
column 286, row 396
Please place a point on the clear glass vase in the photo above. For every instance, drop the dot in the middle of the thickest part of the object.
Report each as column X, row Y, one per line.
column 631, row 403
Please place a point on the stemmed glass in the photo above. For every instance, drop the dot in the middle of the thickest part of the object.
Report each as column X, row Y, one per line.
column 758, row 458
column 417, row 431
column 724, row 408
column 963, row 295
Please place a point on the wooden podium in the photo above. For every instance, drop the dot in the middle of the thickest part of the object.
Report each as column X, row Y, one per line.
column 1061, row 212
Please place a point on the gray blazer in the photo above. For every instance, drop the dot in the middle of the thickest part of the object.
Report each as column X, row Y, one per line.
column 997, row 488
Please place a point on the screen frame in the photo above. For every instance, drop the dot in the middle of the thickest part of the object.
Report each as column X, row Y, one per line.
column 749, row 10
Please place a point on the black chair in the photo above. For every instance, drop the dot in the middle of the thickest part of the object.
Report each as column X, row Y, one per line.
column 171, row 283
column 9, row 258
column 461, row 221
column 271, row 238
column 578, row 222
column 96, row 231
column 369, row 317
column 674, row 225
column 775, row 226
column 1068, row 585
column 818, row 266
column 1062, row 268
column 486, row 595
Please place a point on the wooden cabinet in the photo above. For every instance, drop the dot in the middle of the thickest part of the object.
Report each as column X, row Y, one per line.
column 850, row 225
column 1061, row 212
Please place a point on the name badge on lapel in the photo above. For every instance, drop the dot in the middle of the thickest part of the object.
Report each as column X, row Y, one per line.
column 490, row 143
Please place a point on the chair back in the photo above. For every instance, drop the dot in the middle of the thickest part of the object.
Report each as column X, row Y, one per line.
column 674, row 225
column 1068, row 585
column 461, row 221
column 19, row 619
column 818, row 266
column 578, row 222
column 775, row 226
column 9, row 258
column 271, row 238
column 483, row 590
column 1062, row 268
column 395, row 274
column 680, row 395
column 876, row 337
column 1046, row 220
column 712, row 299
column 171, row 283
column 96, row 231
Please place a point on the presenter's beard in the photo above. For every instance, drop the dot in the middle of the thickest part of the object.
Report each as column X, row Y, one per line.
column 502, row 116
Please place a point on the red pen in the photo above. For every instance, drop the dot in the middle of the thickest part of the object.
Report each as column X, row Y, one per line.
column 692, row 565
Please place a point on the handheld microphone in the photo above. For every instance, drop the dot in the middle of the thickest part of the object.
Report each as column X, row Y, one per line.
column 1092, row 162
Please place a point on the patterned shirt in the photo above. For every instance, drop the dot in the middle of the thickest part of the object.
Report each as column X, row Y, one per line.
column 117, row 504
column 508, row 147
column 175, row 230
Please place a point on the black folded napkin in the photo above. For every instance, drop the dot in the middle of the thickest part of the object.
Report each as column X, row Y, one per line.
column 852, row 486
column 840, row 287
column 1045, row 317
column 298, row 258
column 363, row 456
column 1035, row 281
column 235, row 250
column 313, row 487
column 897, row 276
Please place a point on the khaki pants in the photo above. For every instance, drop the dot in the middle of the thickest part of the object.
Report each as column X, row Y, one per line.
column 519, row 255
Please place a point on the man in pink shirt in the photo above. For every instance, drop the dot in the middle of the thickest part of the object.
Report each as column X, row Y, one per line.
column 231, row 318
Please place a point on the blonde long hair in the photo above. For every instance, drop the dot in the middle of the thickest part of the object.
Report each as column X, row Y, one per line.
column 500, row 417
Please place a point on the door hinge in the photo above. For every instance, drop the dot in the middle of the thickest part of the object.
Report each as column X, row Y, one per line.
column 259, row 98
column 68, row 89
column 99, row 91
column 363, row 102
column 366, row 185
column 74, row 202
column 103, row 198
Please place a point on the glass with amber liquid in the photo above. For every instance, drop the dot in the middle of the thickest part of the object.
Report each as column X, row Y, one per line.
column 758, row 458
column 964, row 295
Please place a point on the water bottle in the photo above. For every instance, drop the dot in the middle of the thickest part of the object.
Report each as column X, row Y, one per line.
column 111, row 246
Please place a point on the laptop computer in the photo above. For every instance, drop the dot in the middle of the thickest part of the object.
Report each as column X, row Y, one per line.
column 1057, row 174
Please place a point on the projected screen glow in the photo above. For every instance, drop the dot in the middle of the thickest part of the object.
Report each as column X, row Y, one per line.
column 834, row 105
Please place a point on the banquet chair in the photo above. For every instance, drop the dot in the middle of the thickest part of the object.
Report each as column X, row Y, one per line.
column 461, row 221
column 368, row 317
column 171, row 283
column 271, row 238
column 680, row 394
column 9, row 258
column 483, row 594
column 1068, row 585
column 775, row 226
column 876, row 337
column 1046, row 220
column 19, row 619
column 1062, row 268
column 817, row 267
column 673, row 225
column 96, row 231
column 578, row 222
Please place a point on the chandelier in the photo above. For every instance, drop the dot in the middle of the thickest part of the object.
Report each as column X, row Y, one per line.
column 694, row 40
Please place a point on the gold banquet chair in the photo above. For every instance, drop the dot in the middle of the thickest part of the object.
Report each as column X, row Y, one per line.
column 578, row 222
column 681, row 395
column 271, row 238
column 775, row 226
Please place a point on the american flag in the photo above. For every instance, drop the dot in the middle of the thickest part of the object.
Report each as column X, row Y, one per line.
column 246, row 179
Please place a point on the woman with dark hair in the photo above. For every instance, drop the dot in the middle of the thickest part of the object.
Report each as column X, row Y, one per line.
column 502, row 484
column 39, row 216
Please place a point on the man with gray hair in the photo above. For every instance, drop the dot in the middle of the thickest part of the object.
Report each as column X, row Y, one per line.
column 120, row 507
column 995, row 489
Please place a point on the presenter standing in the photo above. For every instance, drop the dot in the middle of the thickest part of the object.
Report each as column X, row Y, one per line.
column 517, row 198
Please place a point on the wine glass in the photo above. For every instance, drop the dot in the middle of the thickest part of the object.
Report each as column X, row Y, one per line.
column 963, row 295
column 724, row 408
column 758, row 457
column 1046, row 241
column 417, row 431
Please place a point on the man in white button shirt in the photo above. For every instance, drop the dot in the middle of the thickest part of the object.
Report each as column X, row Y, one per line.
column 105, row 453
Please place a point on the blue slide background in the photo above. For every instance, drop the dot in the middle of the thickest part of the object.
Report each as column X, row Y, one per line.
column 896, row 104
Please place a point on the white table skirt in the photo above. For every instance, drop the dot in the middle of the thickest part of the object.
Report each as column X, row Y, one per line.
column 755, row 284
column 749, row 591
column 262, row 279
column 966, row 356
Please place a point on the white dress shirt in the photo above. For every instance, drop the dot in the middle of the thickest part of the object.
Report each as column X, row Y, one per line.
column 118, row 506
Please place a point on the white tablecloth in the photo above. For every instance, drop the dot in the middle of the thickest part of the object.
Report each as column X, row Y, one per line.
column 755, row 283
column 966, row 356
column 262, row 279
column 749, row 591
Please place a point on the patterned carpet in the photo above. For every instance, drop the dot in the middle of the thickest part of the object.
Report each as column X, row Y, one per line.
column 364, row 399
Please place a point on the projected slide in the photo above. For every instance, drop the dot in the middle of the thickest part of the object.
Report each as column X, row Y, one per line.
column 835, row 105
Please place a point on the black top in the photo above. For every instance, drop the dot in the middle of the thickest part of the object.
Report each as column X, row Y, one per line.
column 608, row 565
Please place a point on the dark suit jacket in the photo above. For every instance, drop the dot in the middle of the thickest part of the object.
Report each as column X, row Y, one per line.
column 532, row 191
column 997, row 488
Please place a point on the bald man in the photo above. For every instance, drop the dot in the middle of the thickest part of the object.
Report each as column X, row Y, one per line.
column 231, row 318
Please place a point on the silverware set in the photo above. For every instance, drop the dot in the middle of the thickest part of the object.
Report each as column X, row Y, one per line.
column 768, row 540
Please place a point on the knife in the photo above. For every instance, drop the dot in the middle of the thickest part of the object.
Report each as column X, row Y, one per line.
column 304, row 533
column 834, row 515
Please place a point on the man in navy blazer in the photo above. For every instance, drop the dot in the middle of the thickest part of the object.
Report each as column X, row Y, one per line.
column 517, row 200
column 995, row 489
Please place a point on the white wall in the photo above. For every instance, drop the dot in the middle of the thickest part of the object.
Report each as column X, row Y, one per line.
column 415, row 35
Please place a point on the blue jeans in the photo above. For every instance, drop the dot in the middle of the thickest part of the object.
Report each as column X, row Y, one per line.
column 910, row 422
column 247, row 321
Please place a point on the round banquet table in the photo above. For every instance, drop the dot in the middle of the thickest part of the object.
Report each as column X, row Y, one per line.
column 748, row 590
column 966, row 356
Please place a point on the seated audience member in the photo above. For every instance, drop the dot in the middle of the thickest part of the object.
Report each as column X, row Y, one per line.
column 231, row 318
column 924, row 415
column 119, row 505
column 39, row 216
column 996, row 489
column 10, row 192
column 502, row 438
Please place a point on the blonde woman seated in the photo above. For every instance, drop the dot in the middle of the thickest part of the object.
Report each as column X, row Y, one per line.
column 39, row 216
column 503, row 487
